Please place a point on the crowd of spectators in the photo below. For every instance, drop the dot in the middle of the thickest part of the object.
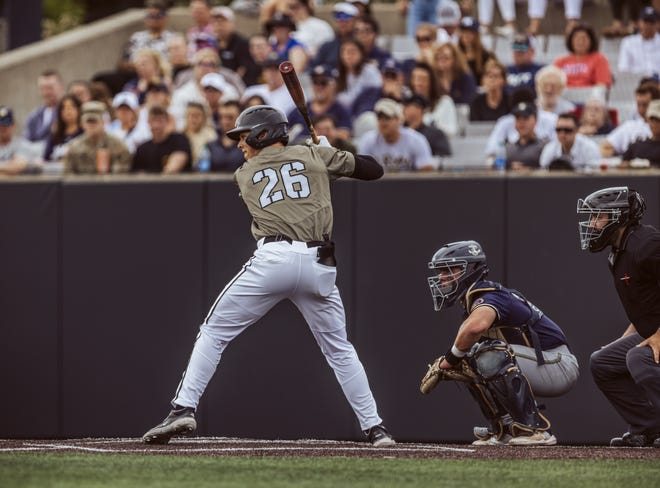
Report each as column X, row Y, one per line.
column 173, row 96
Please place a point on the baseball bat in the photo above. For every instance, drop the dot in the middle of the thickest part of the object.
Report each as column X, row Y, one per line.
column 295, row 90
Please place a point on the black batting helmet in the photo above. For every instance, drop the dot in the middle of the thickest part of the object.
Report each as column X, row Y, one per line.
column 607, row 211
column 266, row 125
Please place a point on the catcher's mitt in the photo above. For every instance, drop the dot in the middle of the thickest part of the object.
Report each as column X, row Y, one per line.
column 461, row 372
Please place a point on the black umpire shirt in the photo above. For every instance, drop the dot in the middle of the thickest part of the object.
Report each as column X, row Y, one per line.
column 636, row 272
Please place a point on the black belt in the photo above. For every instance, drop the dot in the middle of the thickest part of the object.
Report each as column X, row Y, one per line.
column 290, row 241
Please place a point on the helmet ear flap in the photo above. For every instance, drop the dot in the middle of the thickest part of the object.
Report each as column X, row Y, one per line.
column 636, row 206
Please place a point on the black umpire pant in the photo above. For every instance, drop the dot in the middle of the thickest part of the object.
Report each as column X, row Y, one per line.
column 630, row 379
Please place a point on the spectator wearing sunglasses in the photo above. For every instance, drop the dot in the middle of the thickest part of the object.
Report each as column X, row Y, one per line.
column 395, row 147
column 570, row 150
column 522, row 72
column 344, row 15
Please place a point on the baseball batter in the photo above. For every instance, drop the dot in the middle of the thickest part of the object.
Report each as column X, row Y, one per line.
column 286, row 190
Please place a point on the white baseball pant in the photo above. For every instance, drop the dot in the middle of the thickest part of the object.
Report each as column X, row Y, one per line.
column 278, row 271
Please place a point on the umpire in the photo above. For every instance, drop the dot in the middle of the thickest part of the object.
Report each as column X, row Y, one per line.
column 627, row 371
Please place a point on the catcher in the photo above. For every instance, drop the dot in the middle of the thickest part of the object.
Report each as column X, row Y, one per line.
column 506, row 350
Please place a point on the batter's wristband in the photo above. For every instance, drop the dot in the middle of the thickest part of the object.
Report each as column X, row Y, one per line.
column 451, row 358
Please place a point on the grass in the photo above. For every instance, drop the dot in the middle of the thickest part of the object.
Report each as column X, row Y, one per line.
column 22, row 470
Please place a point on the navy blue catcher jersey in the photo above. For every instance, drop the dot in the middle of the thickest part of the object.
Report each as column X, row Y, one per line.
column 513, row 313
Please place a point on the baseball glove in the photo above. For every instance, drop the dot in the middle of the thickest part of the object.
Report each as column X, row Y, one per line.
column 461, row 372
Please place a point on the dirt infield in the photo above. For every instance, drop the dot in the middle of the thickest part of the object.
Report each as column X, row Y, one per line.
column 222, row 446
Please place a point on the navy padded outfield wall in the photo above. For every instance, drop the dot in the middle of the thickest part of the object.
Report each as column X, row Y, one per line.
column 106, row 280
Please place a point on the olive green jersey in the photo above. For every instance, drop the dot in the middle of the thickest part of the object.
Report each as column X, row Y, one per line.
column 287, row 191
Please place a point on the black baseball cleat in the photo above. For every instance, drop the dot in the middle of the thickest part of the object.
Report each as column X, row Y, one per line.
column 379, row 437
column 179, row 421
column 636, row 440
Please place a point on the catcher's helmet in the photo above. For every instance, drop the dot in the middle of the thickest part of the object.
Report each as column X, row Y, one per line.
column 451, row 287
column 619, row 206
column 266, row 125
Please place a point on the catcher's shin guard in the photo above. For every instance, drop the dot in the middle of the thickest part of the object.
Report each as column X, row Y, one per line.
column 507, row 387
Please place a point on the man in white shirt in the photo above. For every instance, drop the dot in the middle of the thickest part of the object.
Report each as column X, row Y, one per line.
column 206, row 61
column 576, row 149
column 448, row 18
column 273, row 91
column 310, row 31
column 505, row 127
column 640, row 53
column 395, row 147
column 625, row 134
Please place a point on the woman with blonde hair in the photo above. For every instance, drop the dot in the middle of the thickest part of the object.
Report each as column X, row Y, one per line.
column 151, row 68
column 198, row 131
column 453, row 73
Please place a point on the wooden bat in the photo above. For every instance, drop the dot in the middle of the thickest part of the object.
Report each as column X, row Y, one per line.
column 295, row 90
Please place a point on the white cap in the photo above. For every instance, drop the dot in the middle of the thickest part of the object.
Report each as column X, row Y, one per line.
column 214, row 80
column 389, row 107
column 448, row 13
column 346, row 8
column 127, row 98
column 224, row 12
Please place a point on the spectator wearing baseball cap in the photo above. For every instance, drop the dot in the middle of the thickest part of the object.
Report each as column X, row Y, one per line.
column 395, row 147
column 647, row 149
column 273, row 91
column 344, row 15
column 127, row 126
column 640, row 53
column 521, row 73
column 414, row 108
column 16, row 153
column 448, row 19
column 322, row 102
column 96, row 151
column 214, row 87
column 311, row 31
column 525, row 153
column 470, row 44
column 280, row 28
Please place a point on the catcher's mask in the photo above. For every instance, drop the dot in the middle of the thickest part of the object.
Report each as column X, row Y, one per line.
column 266, row 125
column 607, row 211
column 457, row 266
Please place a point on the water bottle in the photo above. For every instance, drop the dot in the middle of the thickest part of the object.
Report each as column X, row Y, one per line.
column 500, row 158
column 204, row 165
